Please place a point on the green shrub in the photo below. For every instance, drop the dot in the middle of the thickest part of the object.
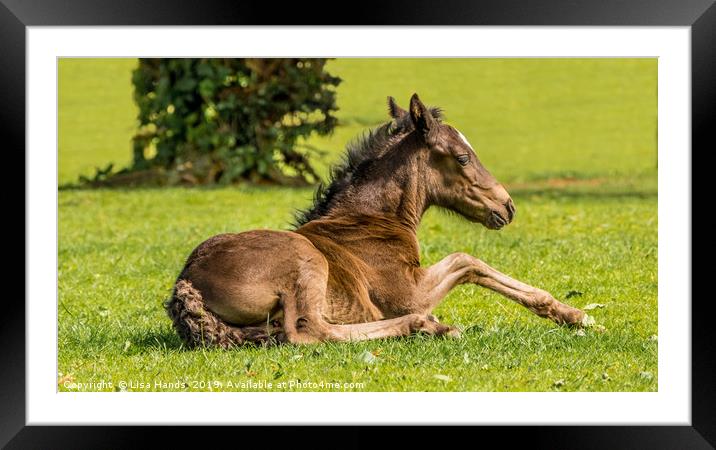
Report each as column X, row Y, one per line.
column 205, row 121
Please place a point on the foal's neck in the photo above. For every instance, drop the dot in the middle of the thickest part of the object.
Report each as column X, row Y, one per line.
column 397, row 195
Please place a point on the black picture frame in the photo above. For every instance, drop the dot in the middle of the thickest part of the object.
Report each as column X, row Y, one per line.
column 699, row 15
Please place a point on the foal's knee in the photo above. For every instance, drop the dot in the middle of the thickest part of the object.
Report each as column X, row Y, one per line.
column 473, row 269
column 460, row 260
column 301, row 332
column 418, row 323
column 465, row 260
column 309, row 330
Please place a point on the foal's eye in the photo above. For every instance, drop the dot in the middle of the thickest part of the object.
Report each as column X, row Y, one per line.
column 463, row 159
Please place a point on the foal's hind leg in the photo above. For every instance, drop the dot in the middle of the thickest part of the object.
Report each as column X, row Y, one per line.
column 460, row 268
column 304, row 323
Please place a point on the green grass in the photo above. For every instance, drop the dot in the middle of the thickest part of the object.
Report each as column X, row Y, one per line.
column 530, row 121
column 97, row 116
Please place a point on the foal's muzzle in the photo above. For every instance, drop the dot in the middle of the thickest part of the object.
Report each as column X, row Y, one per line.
column 499, row 219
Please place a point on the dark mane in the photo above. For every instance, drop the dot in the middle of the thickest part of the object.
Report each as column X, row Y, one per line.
column 369, row 146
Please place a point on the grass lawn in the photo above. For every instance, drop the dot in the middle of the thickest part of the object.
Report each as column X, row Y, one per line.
column 574, row 140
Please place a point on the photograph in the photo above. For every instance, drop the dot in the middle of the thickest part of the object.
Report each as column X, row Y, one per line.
column 475, row 217
column 478, row 217
column 353, row 224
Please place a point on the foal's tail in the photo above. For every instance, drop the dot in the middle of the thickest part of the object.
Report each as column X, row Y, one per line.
column 199, row 327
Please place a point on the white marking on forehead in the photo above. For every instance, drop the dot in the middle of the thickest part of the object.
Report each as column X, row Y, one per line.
column 464, row 139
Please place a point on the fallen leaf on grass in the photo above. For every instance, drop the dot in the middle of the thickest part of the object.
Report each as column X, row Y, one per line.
column 442, row 377
column 248, row 363
column 594, row 306
column 588, row 321
column 646, row 375
column 367, row 357
column 65, row 379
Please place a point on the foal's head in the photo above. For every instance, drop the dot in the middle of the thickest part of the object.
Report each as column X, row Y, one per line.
column 455, row 178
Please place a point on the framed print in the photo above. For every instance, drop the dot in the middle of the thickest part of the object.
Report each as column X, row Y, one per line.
column 197, row 237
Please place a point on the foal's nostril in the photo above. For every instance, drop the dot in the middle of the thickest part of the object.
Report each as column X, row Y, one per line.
column 510, row 210
column 497, row 219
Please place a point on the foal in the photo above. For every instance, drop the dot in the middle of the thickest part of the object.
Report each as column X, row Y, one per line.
column 351, row 269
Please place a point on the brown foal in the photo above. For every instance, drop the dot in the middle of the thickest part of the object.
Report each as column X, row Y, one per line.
column 351, row 269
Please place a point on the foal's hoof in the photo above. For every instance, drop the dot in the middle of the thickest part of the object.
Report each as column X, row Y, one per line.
column 575, row 317
column 454, row 333
column 428, row 324
column 559, row 312
column 448, row 331
column 444, row 330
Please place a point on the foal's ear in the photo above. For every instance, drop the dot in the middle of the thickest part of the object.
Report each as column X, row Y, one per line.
column 395, row 111
column 422, row 118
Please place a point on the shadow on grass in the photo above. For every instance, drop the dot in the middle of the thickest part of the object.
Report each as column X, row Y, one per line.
column 584, row 188
column 583, row 194
column 242, row 187
column 165, row 339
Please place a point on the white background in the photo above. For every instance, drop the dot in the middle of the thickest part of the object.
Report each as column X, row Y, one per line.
column 670, row 405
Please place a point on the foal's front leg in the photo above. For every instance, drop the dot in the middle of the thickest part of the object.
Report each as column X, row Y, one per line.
column 460, row 268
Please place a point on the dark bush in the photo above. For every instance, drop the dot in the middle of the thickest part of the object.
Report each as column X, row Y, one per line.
column 205, row 121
